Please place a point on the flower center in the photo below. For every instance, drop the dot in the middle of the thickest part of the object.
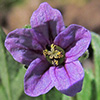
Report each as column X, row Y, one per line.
column 54, row 54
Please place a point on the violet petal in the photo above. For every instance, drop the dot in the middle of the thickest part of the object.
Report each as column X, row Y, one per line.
column 25, row 45
column 47, row 21
column 68, row 79
column 37, row 80
column 75, row 39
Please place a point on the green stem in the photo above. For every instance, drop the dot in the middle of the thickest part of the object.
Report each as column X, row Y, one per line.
column 74, row 98
column 44, row 97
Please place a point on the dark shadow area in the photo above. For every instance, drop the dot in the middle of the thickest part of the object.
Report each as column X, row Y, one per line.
column 93, row 91
column 90, row 52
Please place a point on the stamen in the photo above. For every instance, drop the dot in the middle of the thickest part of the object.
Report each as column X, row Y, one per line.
column 55, row 62
column 54, row 54
column 45, row 52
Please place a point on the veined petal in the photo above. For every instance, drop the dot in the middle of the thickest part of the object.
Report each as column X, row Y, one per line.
column 47, row 21
column 68, row 79
column 25, row 45
column 75, row 39
column 37, row 80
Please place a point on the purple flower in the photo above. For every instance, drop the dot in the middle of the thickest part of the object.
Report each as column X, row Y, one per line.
column 51, row 52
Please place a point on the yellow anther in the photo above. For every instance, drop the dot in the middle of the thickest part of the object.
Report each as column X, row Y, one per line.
column 58, row 53
column 55, row 62
column 53, row 46
column 45, row 52
column 51, row 56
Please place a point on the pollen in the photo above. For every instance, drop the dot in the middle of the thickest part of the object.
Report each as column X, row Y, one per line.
column 55, row 62
column 45, row 52
column 55, row 55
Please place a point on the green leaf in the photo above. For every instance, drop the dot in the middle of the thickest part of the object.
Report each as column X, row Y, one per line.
column 96, row 49
column 27, row 26
column 11, row 72
column 54, row 94
column 3, row 66
column 65, row 97
column 86, row 91
column 84, row 56
column 2, row 94
column 17, row 84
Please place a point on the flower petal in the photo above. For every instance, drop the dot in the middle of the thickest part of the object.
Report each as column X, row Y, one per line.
column 47, row 20
column 75, row 40
column 37, row 80
column 25, row 45
column 68, row 79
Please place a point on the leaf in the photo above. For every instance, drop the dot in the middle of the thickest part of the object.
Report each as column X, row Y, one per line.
column 65, row 97
column 3, row 65
column 2, row 94
column 11, row 72
column 54, row 94
column 96, row 49
column 17, row 84
column 86, row 93
column 84, row 56
column 27, row 26
column 26, row 97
